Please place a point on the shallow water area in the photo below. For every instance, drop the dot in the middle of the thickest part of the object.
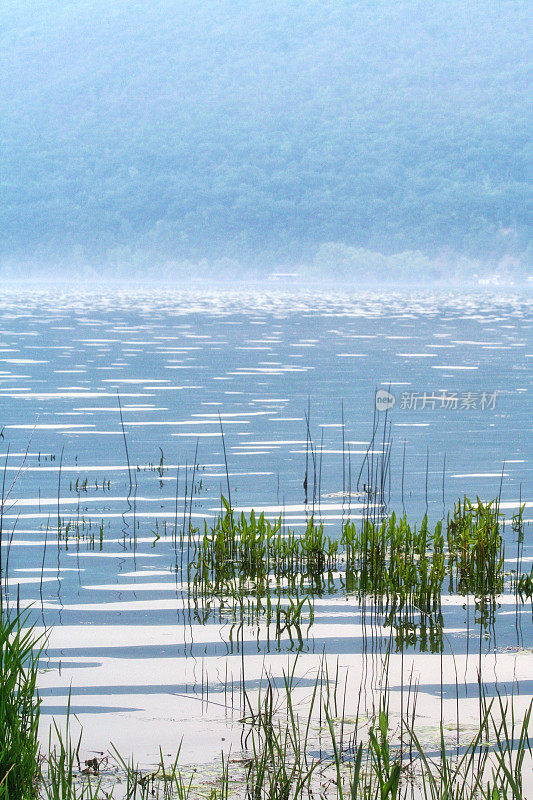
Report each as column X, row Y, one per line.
column 126, row 415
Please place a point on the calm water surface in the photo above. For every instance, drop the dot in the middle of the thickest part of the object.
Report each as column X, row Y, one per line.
column 459, row 369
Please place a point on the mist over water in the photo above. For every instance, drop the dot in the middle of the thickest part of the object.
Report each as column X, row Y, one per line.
column 265, row 318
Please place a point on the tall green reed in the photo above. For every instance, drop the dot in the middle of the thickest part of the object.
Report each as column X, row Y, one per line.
column 19, row 708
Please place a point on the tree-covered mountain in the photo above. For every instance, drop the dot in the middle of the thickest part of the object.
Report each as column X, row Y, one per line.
column 263, row 129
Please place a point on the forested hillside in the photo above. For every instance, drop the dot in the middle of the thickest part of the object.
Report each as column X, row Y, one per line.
column 262, row 130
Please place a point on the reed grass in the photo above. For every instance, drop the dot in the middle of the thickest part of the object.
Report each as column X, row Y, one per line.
column 19, row 708
column 280, row 758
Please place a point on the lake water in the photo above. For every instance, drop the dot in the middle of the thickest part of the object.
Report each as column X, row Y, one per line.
column 292, row 380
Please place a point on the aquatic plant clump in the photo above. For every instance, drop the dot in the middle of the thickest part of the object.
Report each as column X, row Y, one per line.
column 389, row 559
column 240, row 549
column 475, row 545
column 19, row 709
column 259, row 570
column 395, row 560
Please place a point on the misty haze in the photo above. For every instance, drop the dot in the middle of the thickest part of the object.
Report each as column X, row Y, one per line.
column 265, row 400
